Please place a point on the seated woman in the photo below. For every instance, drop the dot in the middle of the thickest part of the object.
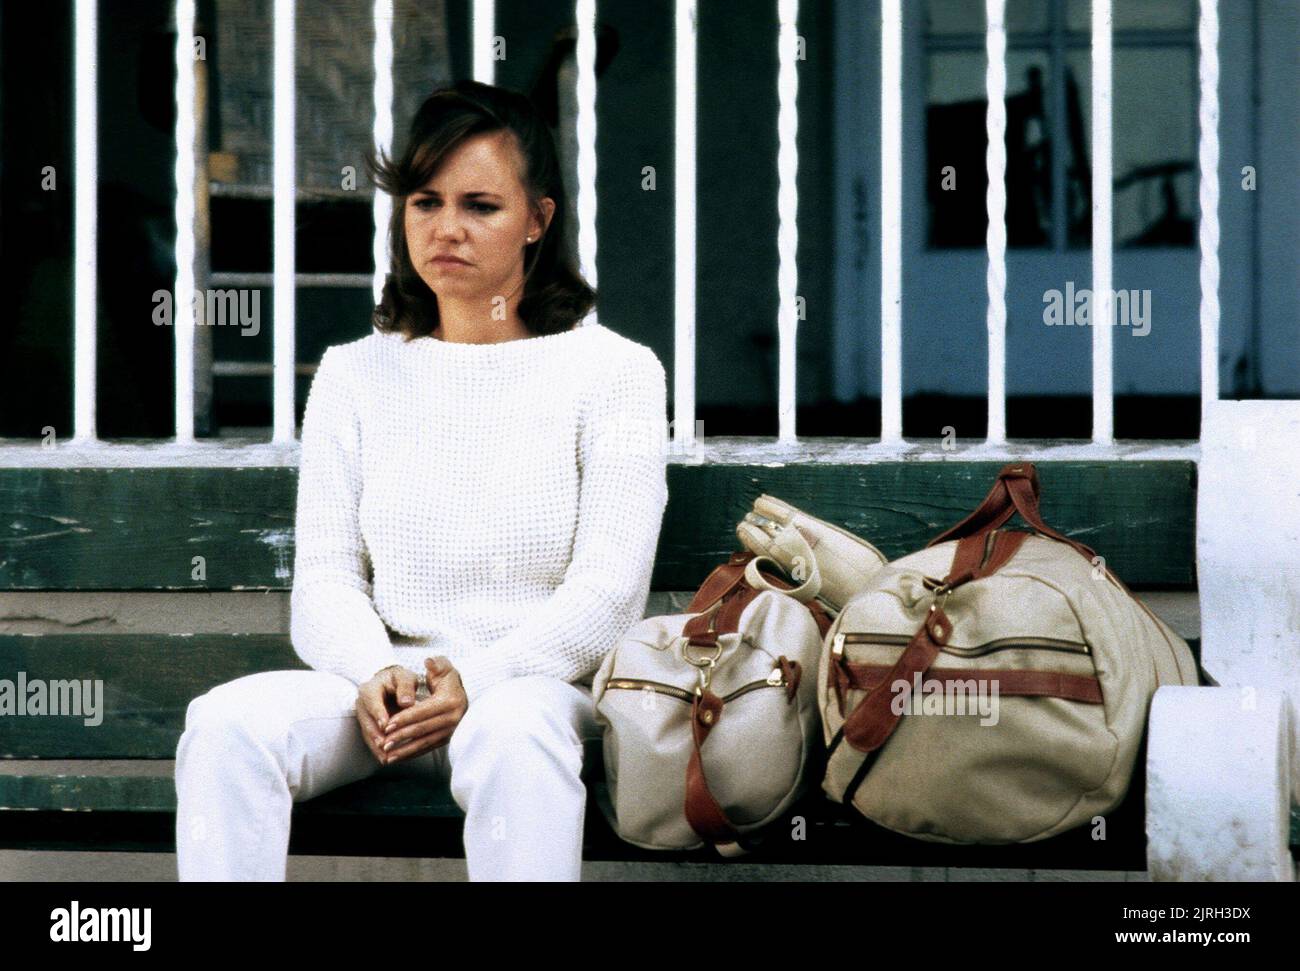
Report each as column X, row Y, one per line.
column 481, row 488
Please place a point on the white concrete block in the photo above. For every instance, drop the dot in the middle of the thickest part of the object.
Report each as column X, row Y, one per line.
column 1219, row 784
column 1248, row 547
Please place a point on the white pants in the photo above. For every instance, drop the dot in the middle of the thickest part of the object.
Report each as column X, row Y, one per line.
column 254, row 746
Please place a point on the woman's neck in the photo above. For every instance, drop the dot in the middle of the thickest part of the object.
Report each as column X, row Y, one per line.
column 461, row 330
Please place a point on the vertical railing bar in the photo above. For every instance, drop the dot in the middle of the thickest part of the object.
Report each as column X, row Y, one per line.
column 185, row 247
column 482, row 34
column 787, row 203
column 995, row 162
column 684, row 125
column 383, row 134
column 585, row 15
column 1208, row 175
column 85, row 179
column 1102, row 311
column 284, row 220
column 891, row 222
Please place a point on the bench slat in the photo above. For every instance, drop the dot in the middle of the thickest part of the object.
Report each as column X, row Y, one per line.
column 151, row 789
column 149, row 681
column 139, row 528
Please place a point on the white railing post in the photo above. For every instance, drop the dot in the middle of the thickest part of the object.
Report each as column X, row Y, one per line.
column 383, row 134
column 483, row 32
column 1102, row 315
column 284, row 222
column 891, row 222
column 995, row 163
column 787, row 207
column 183, row 292
column 585, row 15
column 1208, row 174
column 684, row 46
column 85, row 180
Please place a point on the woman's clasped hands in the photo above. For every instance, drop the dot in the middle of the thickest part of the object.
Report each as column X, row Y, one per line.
column 396, row 724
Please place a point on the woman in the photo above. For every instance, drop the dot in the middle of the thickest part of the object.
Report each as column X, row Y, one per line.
column 481, row 487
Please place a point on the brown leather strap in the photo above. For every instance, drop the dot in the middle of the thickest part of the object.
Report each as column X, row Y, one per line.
column 1006, row 544
column 724, row 618
column 791, row 672
column 728, row 592
column 870, row 724
column 997, row 506
column 1012, row 682
column 703, row 813
column 1026, row 504
column 721, row 581
column 983, row 555
column 966, row 559
column 1015, row 491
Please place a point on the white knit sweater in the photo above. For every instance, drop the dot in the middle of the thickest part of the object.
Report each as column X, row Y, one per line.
column 498, row 504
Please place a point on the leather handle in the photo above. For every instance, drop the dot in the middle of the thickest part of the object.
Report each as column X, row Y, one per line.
column 1028, row 509
column 998, row 506
column 728, row 591
column 721, row 581
column 1016, row 490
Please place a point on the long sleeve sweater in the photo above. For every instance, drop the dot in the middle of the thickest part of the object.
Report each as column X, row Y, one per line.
column 499, row 504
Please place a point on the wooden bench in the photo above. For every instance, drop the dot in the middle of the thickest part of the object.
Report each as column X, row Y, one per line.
column 66, row 785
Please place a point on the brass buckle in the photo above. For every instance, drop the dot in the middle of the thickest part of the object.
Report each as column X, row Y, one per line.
column 940, row 597
column 704, row 665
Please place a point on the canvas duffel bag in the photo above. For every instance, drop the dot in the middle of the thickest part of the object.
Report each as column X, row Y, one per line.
column 993, row 687
column 710, row 716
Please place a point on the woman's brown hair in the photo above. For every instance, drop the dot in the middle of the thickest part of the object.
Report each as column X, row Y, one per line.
column 555, row 294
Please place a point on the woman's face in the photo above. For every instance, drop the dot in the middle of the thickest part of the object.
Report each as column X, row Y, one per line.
column 475, row 208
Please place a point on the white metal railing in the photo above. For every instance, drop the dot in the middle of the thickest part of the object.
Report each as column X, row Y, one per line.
column 186, row 231
column 483, row 31
column 995, row 163
column 787, row 210
column 283, row 276
column 284, row 224
column 585, row 14
column 383, row 135
column 1103, row 397
column 85, row 297
column 685, row 24
column 1208, row 171
column 891, row 222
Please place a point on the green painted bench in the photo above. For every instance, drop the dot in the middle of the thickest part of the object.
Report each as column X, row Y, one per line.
column 65, row 785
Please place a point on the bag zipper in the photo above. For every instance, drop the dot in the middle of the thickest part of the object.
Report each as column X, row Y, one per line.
column 774, row 680
column 837, row 645
column 979, row 650
column 988, row 548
